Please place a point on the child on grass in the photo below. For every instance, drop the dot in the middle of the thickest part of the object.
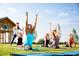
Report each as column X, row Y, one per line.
column 20, row 39
column 71, row 41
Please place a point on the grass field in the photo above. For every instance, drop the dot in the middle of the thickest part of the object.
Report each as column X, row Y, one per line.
column 6, row 49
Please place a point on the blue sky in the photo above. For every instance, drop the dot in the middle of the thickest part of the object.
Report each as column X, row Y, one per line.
column 67, row 15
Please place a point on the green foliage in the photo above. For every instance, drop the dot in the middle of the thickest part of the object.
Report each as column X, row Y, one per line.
column 41, row 41
column 74, row 31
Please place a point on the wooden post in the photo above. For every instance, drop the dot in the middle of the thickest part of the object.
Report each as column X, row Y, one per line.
column 2, row 37
column 9, row 37
column 5, row 36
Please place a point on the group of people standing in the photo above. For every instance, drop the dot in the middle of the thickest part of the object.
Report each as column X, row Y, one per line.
column 29, row 32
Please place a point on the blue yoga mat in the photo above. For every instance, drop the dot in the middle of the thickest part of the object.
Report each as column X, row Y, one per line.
column 75, row 53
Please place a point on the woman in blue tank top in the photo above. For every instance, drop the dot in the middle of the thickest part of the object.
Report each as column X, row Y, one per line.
column 29, row 30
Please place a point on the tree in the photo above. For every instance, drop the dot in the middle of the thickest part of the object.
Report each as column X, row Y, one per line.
column 75, row 36
column 41, row 41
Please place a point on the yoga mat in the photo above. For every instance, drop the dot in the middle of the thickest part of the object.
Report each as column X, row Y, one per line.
column 75, row 53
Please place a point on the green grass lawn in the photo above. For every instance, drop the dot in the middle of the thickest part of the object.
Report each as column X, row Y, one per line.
column 6, row 49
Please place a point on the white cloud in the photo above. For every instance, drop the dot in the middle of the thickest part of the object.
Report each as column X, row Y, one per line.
column 7, row 10
column 63, row 14
column 12, row 9
column 3, row 4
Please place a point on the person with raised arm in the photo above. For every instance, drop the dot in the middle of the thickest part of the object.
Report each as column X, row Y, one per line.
column 56, row 37
column 29, row 31
column 16, row 32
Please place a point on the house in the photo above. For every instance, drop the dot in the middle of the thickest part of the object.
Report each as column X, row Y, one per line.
column 6, row 30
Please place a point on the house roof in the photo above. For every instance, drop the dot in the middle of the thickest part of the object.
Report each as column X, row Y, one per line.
column 7, row 19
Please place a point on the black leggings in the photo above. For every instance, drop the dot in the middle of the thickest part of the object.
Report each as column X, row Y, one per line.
column 47, row 42
column 19, row 41
column 13, row 38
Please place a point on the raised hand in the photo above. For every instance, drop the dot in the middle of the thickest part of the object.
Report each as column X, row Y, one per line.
column 26, row 27
column 35, row 23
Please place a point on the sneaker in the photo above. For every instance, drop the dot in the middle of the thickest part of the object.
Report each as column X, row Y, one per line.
column 30, row 49
column 70, row 46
